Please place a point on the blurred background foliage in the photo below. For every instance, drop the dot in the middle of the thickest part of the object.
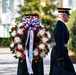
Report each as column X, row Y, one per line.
column 72, row 31
column 4, row 42
column 45, row 9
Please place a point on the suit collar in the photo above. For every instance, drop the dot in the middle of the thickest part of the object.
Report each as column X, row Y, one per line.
column 61, row 20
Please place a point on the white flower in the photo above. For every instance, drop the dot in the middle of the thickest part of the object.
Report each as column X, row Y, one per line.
column 18, row 54
column 49, row 36
column 41, row 32
column 19, row 31
column 35, row 52
column 13, row 33
column 49, row 46
column 42, row 46
column 41, row 25
column 19, row 46
column 43, row 54
column 17, row 39
column 12, row 44
column 20, row 24
column 44, row 39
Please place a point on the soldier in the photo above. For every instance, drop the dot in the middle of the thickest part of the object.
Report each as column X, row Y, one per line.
column 59, row 54
column 36, row 66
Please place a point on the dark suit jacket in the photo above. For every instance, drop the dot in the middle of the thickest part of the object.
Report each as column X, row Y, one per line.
column 59, row 51
column 61, row 37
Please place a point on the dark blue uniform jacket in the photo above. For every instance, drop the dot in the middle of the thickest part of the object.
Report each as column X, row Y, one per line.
column 59, row 51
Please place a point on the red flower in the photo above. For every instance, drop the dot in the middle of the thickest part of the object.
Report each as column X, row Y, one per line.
column 40, row 42
column 45, row 46
column 40, row 36
column 23, row 26
column 39, row 50
column 34, row 58
column 46, row 28
column 17, row 34
column 16, row 49
column 24, row 31
column 41, row 27
column 21, row 51
column 45, row 34
column 15, row 44
column 11, row 39
column 23, row 56
column 50, row 40
column 47, row 51
column 37, row 30
column 38, row 56
column 15, row 28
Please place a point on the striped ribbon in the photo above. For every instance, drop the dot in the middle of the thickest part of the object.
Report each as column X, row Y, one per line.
column 31, row 24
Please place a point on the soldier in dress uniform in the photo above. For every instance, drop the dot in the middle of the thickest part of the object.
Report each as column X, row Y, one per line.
column 59, row 54
column 36, row 66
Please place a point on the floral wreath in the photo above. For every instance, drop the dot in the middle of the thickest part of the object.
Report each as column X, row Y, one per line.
column 41, row 41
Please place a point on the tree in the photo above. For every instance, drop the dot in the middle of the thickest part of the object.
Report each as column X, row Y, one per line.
column 72, row 29
column 44, row 8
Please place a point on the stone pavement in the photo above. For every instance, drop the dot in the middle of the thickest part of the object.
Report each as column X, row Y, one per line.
column 8, row 64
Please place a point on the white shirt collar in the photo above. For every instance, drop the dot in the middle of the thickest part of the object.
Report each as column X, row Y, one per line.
column 61, row 20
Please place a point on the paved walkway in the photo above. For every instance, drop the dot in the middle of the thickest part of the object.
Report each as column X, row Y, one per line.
column 8, row 64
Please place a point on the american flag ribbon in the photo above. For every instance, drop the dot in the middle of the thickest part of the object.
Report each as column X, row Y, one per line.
column 32, row 23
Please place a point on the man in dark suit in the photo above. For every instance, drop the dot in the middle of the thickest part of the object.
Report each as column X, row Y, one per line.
column 37, row 67
column 59, row 54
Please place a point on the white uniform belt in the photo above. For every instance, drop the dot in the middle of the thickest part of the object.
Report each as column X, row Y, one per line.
column 54, row 44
